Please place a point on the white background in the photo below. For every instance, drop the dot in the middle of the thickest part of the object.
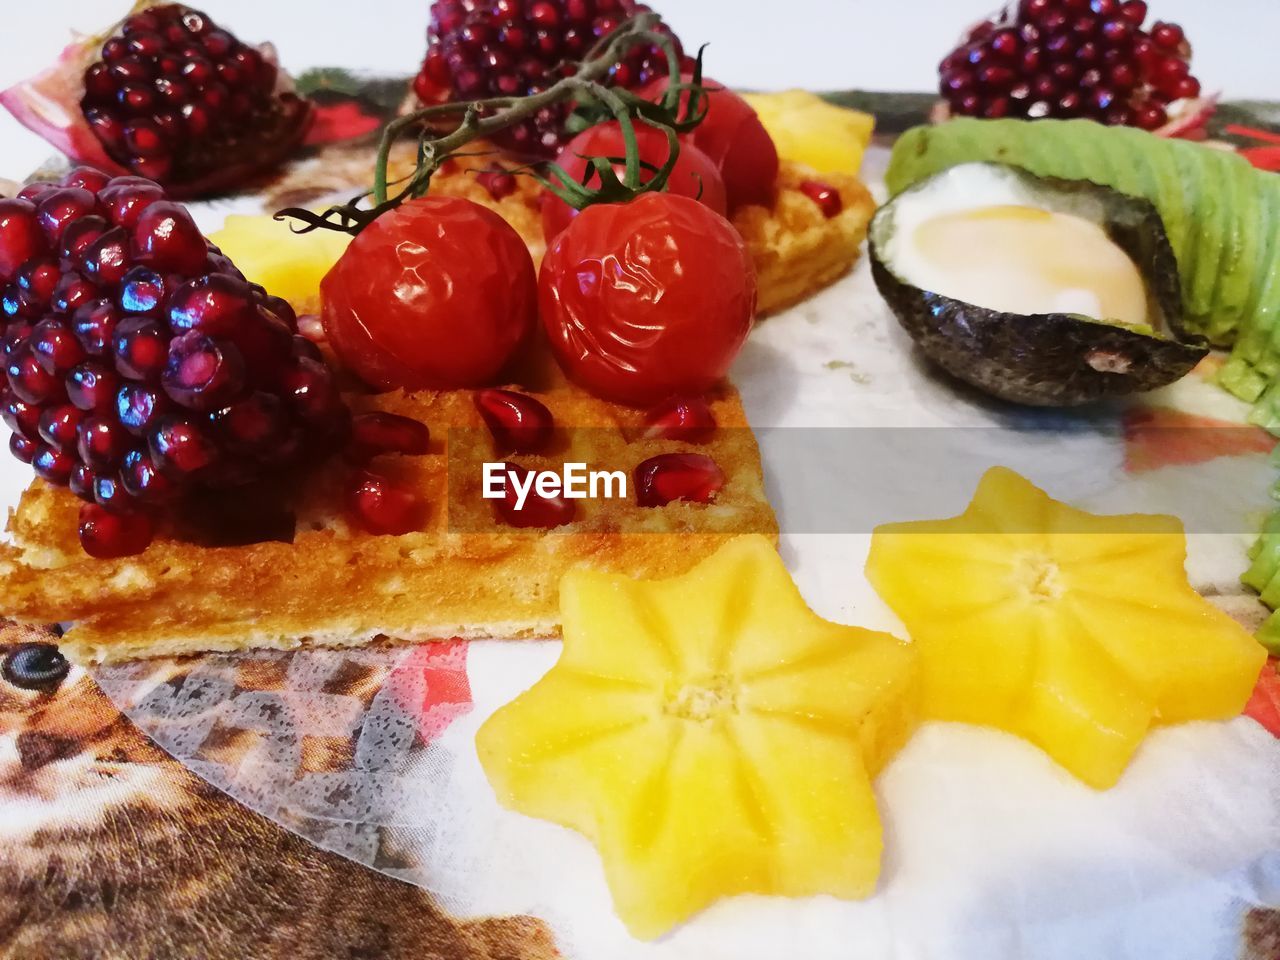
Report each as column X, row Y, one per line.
column 821, row 44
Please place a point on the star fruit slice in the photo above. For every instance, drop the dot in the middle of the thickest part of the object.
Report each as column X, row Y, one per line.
column 711, row 734
column 1075, row 631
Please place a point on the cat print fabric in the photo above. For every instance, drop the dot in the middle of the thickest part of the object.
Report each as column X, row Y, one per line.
column 110, row 848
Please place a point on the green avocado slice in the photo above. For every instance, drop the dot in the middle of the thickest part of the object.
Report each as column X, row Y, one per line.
column 1046, row 359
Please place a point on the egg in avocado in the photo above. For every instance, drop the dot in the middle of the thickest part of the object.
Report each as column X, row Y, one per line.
column 1038, row 291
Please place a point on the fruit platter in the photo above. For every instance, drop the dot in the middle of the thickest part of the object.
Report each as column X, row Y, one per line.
column 606, row 514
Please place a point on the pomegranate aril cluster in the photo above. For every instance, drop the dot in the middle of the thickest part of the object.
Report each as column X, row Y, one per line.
column 1071, row 58
column 140, row 364
column 514, row 48
column 176, row 98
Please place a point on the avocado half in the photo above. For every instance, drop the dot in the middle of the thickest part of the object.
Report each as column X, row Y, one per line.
column 1041, row 358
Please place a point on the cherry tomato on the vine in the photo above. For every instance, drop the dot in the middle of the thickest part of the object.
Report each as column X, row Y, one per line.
column 436, row 294
column 647, row 300
column 735, row 140
column 694, row 175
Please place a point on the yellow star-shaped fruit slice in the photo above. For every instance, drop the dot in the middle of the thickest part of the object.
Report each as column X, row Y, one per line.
column 1075, row 631
column 711, row 734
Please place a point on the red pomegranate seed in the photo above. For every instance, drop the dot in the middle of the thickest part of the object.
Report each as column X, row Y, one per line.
column 669, row 477
column 180, row 448
column 684, row 419
column 141, row 349
column 202, row 373
column 82, row 482
column 20, row 236
column 108, row 535
column 59, row 426
column 125, row 199
column 518, row 422
column 102, row 444
column 53, row 465
column 22, row 448
column 538, row 512
column 60, row 207
column 167, row 239
column 92, row 386
column 139, row 407
column 86, row 178
column 383, row 507
column 21, row 417
column 825, row 196
column 377, row 433
column 499, row 183
column 142, row 481
column 30, row 381
column 55, row 347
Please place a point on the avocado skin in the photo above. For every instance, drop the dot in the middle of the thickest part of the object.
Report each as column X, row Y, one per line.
column 1044, row 359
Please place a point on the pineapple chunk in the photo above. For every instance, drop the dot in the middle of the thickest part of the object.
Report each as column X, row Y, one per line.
column 290, row 265
column 806, row 129
column 711, row 734
column 1075, row 631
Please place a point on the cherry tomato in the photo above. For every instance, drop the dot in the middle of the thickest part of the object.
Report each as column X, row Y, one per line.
column 647, row 300
column 694, row 174
column 735, row 140
column 436, row 294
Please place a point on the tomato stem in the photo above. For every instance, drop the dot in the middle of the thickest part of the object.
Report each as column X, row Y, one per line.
column 483, row 118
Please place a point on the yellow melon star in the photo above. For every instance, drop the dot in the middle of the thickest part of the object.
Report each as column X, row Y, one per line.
column 807, row 129
column 290, row 265
column 711, row 734
column 1075, row 631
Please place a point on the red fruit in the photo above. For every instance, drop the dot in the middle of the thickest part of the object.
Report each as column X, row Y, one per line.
column 107, row 534
column 437, row 294
column 60, row 426
column 169, row 96
column 53, row 465
column 21, row 238
column 518, row 47
column 687, row 420
column 138, row 382
column 694, row 174
column 825, row 196
column 383, row 507
column 537, row 512
column 518, row 422
column 22, row 449
column 647, row 300
column 735, row 140
column 375, row 434
column 1096, row 61
column 677, row 476
column 166, row 239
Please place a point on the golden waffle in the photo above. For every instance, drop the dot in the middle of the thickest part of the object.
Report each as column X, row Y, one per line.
column 462, row 575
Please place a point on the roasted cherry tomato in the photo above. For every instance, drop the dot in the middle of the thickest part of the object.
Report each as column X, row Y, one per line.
column 694, row 174
column 436, row 294
column 647, row 300
column 735, row 140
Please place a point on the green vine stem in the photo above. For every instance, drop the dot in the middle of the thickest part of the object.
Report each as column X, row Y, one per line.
column 682, row 108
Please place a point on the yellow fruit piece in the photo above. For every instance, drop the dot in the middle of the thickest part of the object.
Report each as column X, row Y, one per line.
column 806, row 129
column 1075, row 631
column 290, row 265
column 711, row 734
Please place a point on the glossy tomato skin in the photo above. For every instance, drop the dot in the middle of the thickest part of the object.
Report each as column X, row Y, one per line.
column 694, row 174
column 735, row 140
column 647, row 300
column 436, row 294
